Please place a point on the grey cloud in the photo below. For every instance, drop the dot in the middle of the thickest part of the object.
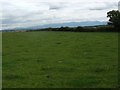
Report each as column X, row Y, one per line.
column 17, row 14
column 8, row 21
column 104, row 6
column 54, row 8
column 56, row 5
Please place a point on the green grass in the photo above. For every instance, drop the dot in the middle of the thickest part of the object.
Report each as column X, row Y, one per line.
column 0, row 60
column 60, row 59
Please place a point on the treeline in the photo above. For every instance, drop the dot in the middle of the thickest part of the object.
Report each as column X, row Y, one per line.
column 104, row 28
column 82, row 29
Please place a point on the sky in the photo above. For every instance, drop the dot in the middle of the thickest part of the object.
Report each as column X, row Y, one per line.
column 27, row 13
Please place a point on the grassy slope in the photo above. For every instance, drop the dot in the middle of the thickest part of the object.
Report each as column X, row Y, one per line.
column 60, row 59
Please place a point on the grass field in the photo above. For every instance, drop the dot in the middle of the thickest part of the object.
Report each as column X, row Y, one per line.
column 0, row 60
column 60, row 59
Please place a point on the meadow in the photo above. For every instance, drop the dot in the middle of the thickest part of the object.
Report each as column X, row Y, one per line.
column 47, row 59
column 0, row 60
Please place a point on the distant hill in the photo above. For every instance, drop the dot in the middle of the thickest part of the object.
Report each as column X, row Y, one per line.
column 70, row 24
column 57, row 25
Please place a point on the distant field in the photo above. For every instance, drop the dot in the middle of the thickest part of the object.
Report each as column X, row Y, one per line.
column 60, row 59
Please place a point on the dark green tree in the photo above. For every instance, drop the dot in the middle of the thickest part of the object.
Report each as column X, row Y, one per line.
column 114, row 18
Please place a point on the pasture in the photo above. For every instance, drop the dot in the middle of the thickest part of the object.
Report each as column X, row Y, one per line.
column 60, row 59
column 0, row 60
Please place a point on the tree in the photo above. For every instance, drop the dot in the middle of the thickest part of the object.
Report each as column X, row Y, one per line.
column 114, row 18
column 79, row 29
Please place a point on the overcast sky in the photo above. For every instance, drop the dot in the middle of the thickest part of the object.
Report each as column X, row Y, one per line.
column 25, row 13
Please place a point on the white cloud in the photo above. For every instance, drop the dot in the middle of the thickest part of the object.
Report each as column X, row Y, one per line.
column 25, row 13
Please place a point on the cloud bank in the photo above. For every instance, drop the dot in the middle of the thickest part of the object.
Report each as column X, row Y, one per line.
column 26, row 13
